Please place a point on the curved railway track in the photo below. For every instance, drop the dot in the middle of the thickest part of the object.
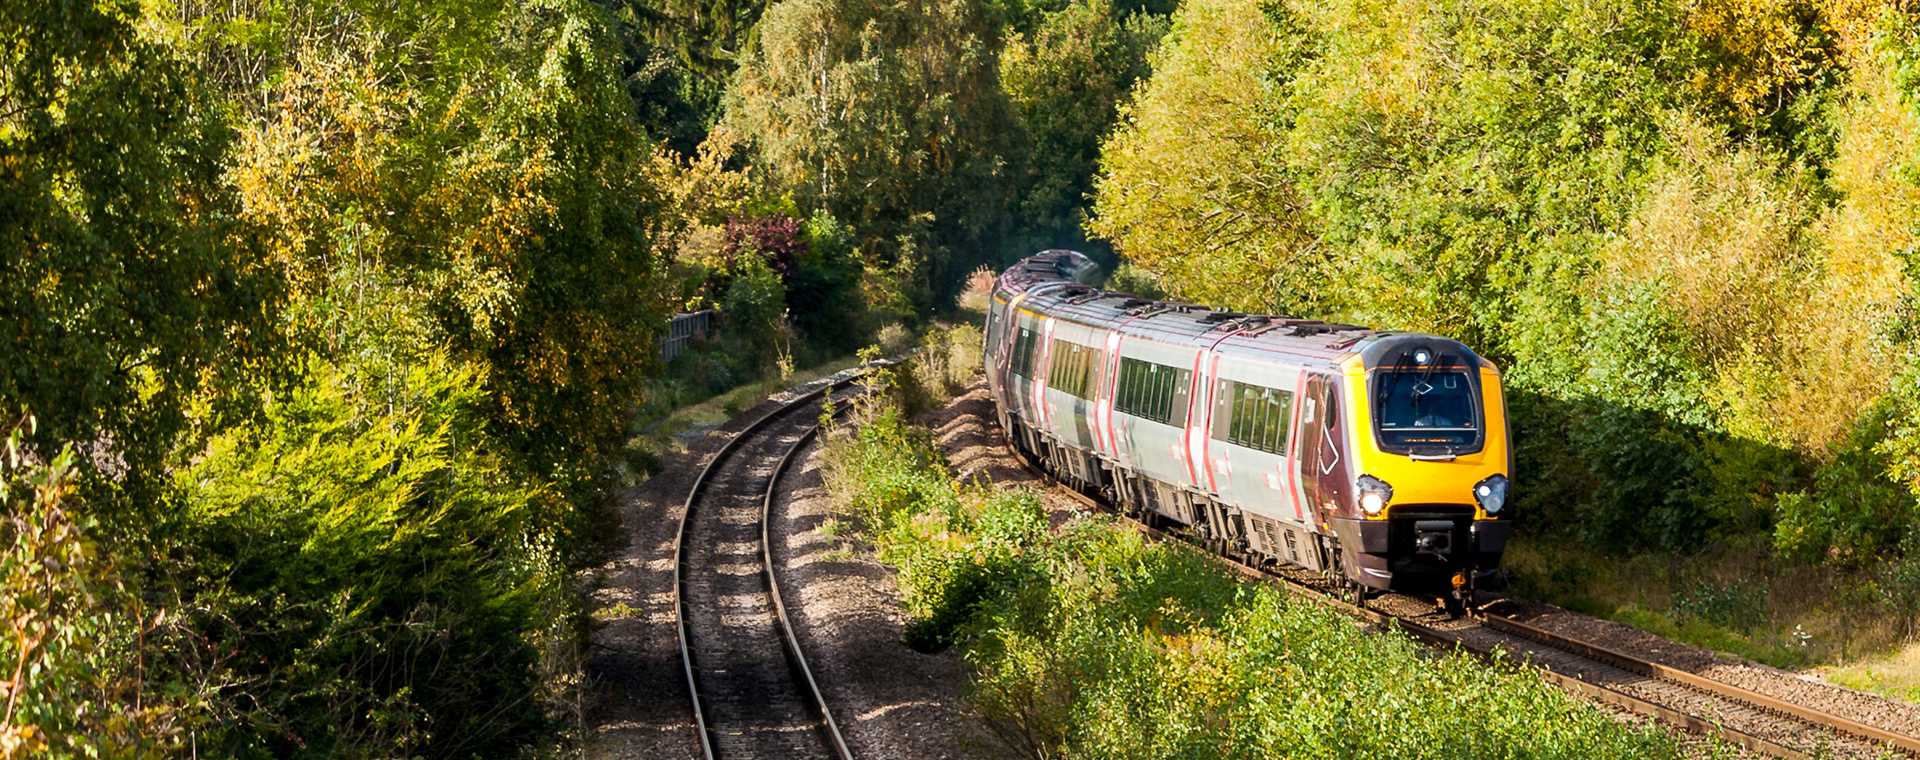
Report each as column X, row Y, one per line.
column 753, row 695
column 1754, row 722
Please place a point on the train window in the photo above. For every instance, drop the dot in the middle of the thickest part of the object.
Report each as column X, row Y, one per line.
column 1072, row 372
column 1023, row 350
column 1152, row 391
column 1253, row 416
column 1417, row 409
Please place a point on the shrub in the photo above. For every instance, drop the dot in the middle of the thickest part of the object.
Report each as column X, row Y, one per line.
column 73, row 673
column 976, row 293
column 755, row 309
column 948, row 359
column 1855, row 512
column 383, row 579
column 823, row 292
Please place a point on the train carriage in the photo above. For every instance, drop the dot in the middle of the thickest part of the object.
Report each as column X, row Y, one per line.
column 1381, row 457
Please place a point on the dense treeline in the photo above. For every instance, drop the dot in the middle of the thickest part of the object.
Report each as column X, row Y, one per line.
column 1685, row 230
column 339, row 309
column 325, row 323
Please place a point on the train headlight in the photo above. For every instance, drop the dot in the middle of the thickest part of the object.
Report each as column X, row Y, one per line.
column 1491, row 493
column 1375, row 494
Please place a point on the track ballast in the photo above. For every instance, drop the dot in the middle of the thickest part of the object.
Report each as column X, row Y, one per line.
column 753, row 694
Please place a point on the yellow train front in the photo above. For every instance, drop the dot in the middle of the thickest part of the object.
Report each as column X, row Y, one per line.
column 1430, row 468
column 1379, row 457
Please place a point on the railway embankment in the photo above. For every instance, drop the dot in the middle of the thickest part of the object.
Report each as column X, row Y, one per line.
column 890, row 700
column 1087, row 638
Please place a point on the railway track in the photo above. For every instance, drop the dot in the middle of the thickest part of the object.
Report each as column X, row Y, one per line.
column 753, row 695
column 1752, row 721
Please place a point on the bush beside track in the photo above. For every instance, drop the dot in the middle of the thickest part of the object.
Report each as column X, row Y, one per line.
column 1092, row 641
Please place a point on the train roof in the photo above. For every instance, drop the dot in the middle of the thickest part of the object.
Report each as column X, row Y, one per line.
column 1055, row 282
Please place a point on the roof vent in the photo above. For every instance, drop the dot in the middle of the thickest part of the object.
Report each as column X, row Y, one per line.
column 1149, row 309
column 1319, row 328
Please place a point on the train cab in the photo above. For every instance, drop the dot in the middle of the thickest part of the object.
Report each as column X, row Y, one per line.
column 1430, row 463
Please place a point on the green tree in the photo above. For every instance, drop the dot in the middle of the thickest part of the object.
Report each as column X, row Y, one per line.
column 1066, row 80
column 493, row 170
column 130, row 289
column 823, row 293
column 1194, row 166
column 379, row 579
column 890, row 116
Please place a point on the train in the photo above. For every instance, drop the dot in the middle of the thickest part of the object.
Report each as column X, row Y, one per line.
column 1381, row 459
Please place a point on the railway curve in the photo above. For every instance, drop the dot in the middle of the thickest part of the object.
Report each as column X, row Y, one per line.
column 752, row 693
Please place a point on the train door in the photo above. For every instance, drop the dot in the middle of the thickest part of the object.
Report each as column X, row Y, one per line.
column 1324, row 469
column 1194, row 436
column 1022, row 360
column 1103, row 430
column 996, row 346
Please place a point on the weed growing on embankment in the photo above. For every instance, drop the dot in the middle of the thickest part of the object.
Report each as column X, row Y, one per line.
column 1091, row 641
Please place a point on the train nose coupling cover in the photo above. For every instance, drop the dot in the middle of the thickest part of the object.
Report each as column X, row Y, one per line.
column 1433, row 537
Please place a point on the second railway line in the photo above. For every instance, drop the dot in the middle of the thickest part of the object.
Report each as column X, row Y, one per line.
column 753, row 695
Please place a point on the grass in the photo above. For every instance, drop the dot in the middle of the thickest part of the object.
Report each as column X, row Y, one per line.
column 660, row 434
column 1896, row 674
column 1091, row 641
column 616, row 611
column 1736, row 602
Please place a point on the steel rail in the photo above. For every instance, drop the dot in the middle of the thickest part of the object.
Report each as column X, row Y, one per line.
column 1663, row 672
column 794, row 653
column 679, row 546
column 1598, row 692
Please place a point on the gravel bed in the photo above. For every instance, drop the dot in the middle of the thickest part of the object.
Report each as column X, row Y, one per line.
column 968, row 433
column 889, row 700
column 1758, row 722
column 637, row 704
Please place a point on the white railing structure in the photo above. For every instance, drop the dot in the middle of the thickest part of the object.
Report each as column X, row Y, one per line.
column 683, row 330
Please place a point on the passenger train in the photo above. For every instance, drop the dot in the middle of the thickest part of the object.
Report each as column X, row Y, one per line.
column 1380, row 458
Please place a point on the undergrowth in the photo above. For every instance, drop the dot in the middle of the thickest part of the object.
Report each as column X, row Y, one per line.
column 1091, row 641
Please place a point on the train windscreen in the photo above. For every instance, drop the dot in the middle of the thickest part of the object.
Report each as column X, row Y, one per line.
column 1425, row 410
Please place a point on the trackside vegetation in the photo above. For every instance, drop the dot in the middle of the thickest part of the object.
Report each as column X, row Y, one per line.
column 1685, row 230
column 330, row 331
column 1089, row 640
